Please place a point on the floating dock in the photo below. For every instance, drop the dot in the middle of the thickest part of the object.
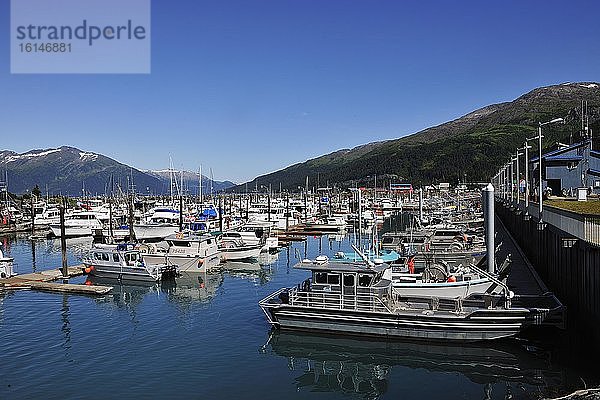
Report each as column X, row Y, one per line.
column 43, row 280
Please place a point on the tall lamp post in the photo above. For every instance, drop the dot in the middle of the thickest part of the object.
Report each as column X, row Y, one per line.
column 518, row 178
column 526, row 147
column 540, row 190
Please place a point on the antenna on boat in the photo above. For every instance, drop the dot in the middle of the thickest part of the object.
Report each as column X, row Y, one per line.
column 362, row 255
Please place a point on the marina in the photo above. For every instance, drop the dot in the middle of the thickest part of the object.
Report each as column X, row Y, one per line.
column 300, row 200
column 210, row 311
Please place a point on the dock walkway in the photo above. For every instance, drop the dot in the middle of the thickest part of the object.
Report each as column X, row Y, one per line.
column 43, row 280
column 523, row 279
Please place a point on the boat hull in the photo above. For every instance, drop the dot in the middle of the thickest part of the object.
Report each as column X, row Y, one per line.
column 185, row 263
column 125, row 273
column 154, row 231
column 72, row 231
column 240, row 253
column 477, row 327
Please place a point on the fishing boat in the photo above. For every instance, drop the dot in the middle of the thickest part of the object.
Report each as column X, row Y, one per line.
column 6, row 266
column 442, row 280
column 124, row 262
column 189, row 251
column 359, row 298
column 233, row 248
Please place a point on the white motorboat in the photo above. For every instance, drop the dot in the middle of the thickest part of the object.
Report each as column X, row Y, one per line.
column 162, row 223
column 45, row 215
column 124, row 262
column 259, row 233
column 6, row 266
column 190, row 252
column 442, row 281
column 233, row 248
column 78, row 224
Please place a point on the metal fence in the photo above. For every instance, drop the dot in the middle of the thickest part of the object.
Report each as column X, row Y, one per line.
column 592, row 229
column 337, row 301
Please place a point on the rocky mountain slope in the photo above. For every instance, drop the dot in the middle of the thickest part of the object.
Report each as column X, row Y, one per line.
column 473, row 145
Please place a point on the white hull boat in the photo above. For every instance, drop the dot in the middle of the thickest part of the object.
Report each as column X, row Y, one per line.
column 190, row 252
column 6, row 266
column 154, row 231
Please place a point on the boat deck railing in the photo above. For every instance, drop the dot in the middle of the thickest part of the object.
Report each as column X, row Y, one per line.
column 337, row 301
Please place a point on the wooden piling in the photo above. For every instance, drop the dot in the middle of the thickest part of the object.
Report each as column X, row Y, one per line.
column 63, row 238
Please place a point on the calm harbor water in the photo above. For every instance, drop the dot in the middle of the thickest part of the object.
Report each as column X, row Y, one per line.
column 205, row 337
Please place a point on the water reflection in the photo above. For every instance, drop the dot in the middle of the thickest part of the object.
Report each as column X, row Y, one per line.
column 363, row 367
column 267, row 258
column 193, row 288
column 65, row 314
column 125, row 294
column 252, row 271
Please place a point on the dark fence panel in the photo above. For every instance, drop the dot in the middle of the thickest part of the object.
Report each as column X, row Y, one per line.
column 568, row 266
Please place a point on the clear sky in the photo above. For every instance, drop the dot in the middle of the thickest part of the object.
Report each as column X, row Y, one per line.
column 247, row 87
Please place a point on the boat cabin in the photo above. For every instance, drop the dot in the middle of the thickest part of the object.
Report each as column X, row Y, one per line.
column 120, row 255
column 348, row 279
column 190, row 244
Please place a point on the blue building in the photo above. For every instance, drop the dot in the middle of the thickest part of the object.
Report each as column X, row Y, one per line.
column 568, row 168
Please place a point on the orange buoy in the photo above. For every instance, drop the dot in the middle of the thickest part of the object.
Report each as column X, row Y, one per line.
column 451, row 278
column 88, row 270
column 88, row 283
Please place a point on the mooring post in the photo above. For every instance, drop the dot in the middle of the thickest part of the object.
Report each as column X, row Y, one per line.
column 488, row 204
column 130, row 219
column 63, row 240
column 32, row 216
column 421, row 205
column 181, row 213
column 221, row 213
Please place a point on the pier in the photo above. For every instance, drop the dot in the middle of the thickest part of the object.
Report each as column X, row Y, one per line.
column 564, row 257
column 44, row 281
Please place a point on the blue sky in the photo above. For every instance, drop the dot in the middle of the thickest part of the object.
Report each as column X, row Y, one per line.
column 248, row 87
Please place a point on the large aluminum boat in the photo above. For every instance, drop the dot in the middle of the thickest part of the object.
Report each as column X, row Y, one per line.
column 359, row 298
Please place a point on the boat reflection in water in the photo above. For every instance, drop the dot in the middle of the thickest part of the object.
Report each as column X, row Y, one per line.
column 252, row 271
column 193, row 287
column 185, row 289
column 364, row 367
column 267, row 258
column 125, row 293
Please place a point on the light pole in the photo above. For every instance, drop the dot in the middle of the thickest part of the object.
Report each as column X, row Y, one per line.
column 506, row 182
column 526, row 147
column 540, row 190
column 518, row 178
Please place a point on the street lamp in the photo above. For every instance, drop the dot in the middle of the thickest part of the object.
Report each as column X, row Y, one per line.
column 518, row 178
column 512, row 181
column 526, row 147
column 540, row 191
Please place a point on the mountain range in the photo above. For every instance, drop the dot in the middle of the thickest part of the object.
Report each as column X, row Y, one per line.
column 70, row 171
column 470, row 148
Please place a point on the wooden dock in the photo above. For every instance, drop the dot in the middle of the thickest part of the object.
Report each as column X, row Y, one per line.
column 44, row 280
